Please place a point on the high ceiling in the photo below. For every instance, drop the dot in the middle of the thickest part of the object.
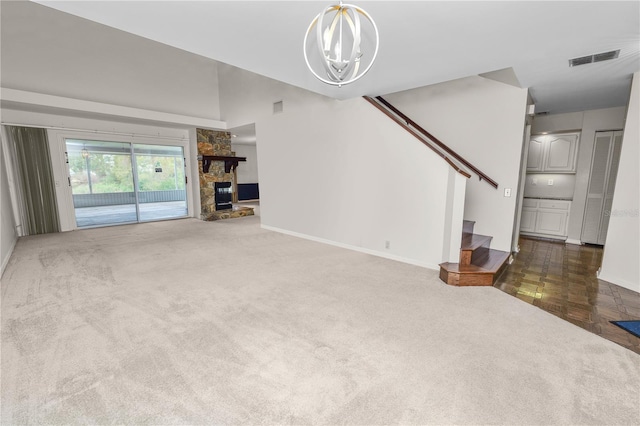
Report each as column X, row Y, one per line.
column 421, row 42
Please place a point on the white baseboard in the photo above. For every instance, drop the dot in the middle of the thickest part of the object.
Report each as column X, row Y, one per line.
column 544, row 236
column 354, row 248
column 620, row 282
column 5, row 261
column 572, row 241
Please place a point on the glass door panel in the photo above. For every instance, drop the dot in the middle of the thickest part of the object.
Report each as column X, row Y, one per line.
column 160, row 180
column 101, row 179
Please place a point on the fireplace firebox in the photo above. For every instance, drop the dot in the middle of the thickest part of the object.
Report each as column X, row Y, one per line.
column 223, row 195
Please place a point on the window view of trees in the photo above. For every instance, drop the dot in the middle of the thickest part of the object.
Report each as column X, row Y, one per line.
column 157, row 173
column 100, row 173
column 104, row 173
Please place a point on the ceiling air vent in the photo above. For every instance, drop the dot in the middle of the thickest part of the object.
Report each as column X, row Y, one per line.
column 596, row 57
column 606, row 56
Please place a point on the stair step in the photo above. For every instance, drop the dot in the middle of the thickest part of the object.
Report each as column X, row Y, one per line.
column 491, row 260
column 467, row 226
column 483, row 272
column 473, row 246
column 474, row 241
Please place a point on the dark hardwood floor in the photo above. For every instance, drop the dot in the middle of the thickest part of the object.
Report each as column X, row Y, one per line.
column 561, row 279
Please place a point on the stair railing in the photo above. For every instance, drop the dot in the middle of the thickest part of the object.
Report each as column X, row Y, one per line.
column 428, row 139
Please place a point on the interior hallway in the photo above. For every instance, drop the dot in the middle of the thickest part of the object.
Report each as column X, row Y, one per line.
column 561, row 279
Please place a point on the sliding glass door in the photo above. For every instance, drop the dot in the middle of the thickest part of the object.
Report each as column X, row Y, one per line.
column 161, row 182
column 115, row 182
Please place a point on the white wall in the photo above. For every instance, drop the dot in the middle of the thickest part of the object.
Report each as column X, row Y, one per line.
column 54, row 53
column 588, row 122
column 482, row 120
column 353, row 177
column 622, row 248
column 245, row 96
column 247, row 170
column 8, row 236
column 341, row 172
column 536, row 185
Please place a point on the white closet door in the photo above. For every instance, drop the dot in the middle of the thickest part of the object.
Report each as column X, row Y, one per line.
column 611, row 184
column 597, row 186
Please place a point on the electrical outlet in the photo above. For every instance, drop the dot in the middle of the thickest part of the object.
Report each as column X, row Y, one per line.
column 387, row 244
column 550, row 182
column 507, row 192
column 534, row 181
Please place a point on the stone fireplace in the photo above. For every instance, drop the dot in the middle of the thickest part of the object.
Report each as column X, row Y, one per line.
column 217, row 143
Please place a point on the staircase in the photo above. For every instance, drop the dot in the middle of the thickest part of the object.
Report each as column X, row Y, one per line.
column 479, row 265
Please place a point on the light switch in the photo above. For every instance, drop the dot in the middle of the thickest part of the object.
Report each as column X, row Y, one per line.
column 550, row 182
column 507, row 192
column 534, row 181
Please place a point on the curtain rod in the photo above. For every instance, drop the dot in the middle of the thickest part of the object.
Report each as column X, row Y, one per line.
column 102, row 132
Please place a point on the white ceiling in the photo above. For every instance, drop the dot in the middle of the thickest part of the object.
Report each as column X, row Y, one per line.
column 421, row 42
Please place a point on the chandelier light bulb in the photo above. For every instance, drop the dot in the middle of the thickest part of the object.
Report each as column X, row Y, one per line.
column 341, row 44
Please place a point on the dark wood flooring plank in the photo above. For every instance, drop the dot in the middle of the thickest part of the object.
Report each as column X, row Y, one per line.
column 561, row 279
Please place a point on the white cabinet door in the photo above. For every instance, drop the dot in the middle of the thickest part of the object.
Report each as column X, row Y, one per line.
column 552, row 222
column 560, row 154
column 553, row 153
column 528, row 219
column 545, row 217
column 536, row 154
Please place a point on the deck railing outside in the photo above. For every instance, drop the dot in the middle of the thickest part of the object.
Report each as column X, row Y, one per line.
column 118, row 198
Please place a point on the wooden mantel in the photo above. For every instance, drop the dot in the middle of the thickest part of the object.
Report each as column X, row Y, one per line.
column 230, row 163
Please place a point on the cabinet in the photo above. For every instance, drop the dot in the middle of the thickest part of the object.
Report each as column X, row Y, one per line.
column 602, row 181
column 545, row 218
column 528, row 219
column 555, row 153
column 536, row 154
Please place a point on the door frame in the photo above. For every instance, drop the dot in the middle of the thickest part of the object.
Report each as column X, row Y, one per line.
column 57, row 146
column 515, row 246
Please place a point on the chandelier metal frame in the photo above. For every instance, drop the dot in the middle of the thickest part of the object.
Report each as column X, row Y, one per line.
column 340, row 71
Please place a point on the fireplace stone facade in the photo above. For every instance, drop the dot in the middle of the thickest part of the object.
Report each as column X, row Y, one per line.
column 215, row 142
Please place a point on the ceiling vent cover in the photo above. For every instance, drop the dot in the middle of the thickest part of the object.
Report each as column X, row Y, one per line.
column 596, row 57
column 606, row 56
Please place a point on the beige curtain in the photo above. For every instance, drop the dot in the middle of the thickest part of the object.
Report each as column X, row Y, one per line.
column 35, row 177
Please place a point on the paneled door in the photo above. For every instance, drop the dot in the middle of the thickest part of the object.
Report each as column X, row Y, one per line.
column 536, row 154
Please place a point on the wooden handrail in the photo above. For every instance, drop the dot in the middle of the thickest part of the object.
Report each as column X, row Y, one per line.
column 417, row 136
column 435, row 140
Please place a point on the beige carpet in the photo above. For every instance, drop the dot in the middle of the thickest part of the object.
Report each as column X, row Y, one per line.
column 190, row 322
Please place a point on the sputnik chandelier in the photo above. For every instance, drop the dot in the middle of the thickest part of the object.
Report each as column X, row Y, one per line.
column 340, row 46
